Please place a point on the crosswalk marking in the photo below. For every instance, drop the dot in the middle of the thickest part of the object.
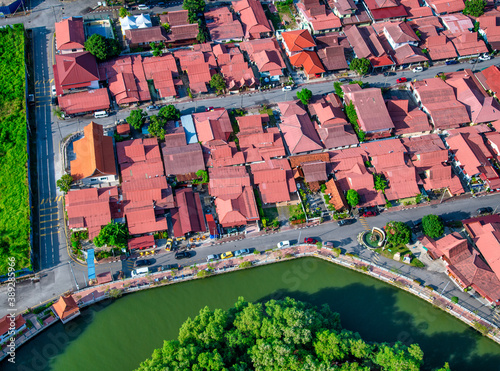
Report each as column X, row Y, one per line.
column 51, row 200
column 53, row 226
column 48, row 208
column 49, row 221
column 49, row 214
column 50, row 233
column 363, row 221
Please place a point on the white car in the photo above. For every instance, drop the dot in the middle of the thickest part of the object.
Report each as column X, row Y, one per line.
column 485, row 57
column 283, row 244
column 143, row 7
column 417, row 69
column 286, row 88
column 53, row 90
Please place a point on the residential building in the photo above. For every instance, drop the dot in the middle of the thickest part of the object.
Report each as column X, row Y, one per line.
column 358, row 17
column 430, row 157
column 299, row 46
column 380, row 10
column 213, row 127
column 274, row 180
column 313, row 168
column 438, row 100
column 406, row 120
column 298, row 129
column 144, row 37
column 140, row 243
column 439, row 47
column 467, row 43
column 470, row 157
column 489, row 79
column 163, row 71
column 266, row 55
column 372, row 113
column 66, row 308
column 441, row 7
column 317, row 17
column 181, row 31
column 254, row 20
column 222, row 26
column 331, row 51
column 139, row 159
column 457, row 22
column 134, row 22
column 126, row 79
column 70, row 37
column 489, row 28
column 337, row 198
column 91, row 208
column 183, row 161
column 366, row 44
column 256, row 142
column 199, row 66
column 415, row 10
column 75, row 71
column 225, row 155
column 235, row 70
column 343, row 8
column 6, row 332
column 84, row 102
column 95, row 158
column 187, row 217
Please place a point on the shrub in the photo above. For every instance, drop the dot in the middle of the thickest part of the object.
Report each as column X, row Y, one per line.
column 454, row 299
column 245, row 264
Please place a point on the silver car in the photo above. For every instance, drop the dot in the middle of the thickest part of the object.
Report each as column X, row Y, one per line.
column 213, row 257
column 242, row 252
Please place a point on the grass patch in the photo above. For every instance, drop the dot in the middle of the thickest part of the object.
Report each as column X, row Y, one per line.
column 275, row 18
column 14, row 202
column 270, row 213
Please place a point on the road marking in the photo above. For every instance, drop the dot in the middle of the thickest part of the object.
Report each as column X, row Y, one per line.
column 37, row 82
column 50, row 234
column 51, row 80
column 54, row 226
column 48, row 221
column 42, row 201
column 49, row 214
column 47, row 208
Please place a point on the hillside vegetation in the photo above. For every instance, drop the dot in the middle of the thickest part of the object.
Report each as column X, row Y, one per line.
column 14, row 206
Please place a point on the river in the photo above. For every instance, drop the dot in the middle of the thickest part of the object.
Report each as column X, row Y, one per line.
column 118, row 335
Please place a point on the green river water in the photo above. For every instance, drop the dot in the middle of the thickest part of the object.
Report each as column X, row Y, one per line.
column 118, row 335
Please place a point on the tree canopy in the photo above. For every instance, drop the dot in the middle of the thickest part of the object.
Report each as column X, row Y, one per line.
column 123, row 12
column 112, row 234
column 305, row 96
column 157, row 127
column 102, row 48
column 380, row 182
column 170, row 113
column 64, row 183
column 398, row 233
column 474, row 8
column 433, row 226
column 352, row 197
column 276, row 335
column 194, row 7
column 338, row 90
column 360, row 65
column 137, row 118
column 218, row 83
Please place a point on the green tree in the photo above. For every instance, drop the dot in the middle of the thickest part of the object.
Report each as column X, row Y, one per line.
column 380, row 182
column 203, row 175
column 170, row 113
column 305, row 96
column 123, row 12
column 432, row 226
column 157, row 127
column 166, row 26
column 218, row 83
column 137, row 118
column 360, row 65
column 275, row 335
column 102, row 48
column 338, row 90
column 112, row 234
column 474, row 8
column 398, row 233
column 157, row 49
column 194, row 7
column 352, row 197
column 201, row 37
column 64, row 183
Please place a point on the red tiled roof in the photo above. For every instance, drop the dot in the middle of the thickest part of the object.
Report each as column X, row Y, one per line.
column 446, row 6
column 65, row 307
column 337, row 199
column 153, row 191
column 213, row 125
column 407, row 121
column 85, row 101
column 147, row 35
column 251, row 124
column 238, row 210
column 299, row 134
column 222, row 25
column 226, row 155
column 188, row 216
column 366, row 44
column 320, row 17
column 315, row 171
column 253, row 18
column 183, row 160
column 440, row 47
column 371, row 110
column 490, row 79
column 94, row 154
column 298, row 40
column 6, row 321
column 467, row 43
column 227, row 182
column 199, row 66
column 385, row 9
column 467, row 151
column 457, row 22
column 414, row 9
column 339, row 135
column 123, row 129
column 275, row 180
column 139, row 159
column 143, row 220
column 163, row 71
column 175, row 18
column 490, row 23
column 233, row 67
column 265, row 54
column 69, row 34
column 75, row 70
column 290, row 108
column 143, row 242
column 309, row 61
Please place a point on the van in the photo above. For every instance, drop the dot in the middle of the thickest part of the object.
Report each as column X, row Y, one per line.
column 100, row 114
column 139, row 272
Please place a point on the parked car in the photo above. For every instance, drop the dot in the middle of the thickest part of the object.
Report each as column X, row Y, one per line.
column 143, row 7
column 227, row 255
column 484, row 210
column 182, row 255
column 242, row 252
column 213, row 257
column 345, row 222
column 209, row 109
column 152, row 108
column 367, row 214
column 401, row 80
column 283, row 244
column 418, row 69
column 286, row 88
column 143, row 262
column 170, row 244
column 328, row 244
column 344, row 80
column 168, row 267
column 53, row 90
column 451, row 61
column 484, row 57
column 310, row 240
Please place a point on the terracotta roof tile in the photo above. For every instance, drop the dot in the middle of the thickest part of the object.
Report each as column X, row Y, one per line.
column 337, row 198
column 85, row 101
column 299, row 134
column 65, row 307
column 298, row 40
column 253, row 18
column 183, row 160
column 76, row 70
column 69, row 34
column 222, row 25
column 188, row 216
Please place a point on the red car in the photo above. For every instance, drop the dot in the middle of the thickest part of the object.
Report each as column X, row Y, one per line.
column 367, row 214
column 209, row 109
column 310, row 240
column 401, row 79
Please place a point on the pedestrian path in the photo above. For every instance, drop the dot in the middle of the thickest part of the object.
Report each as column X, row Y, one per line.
column 364, row 223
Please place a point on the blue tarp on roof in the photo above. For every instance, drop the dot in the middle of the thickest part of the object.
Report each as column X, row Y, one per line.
column 189, row 129
column 91, row 264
